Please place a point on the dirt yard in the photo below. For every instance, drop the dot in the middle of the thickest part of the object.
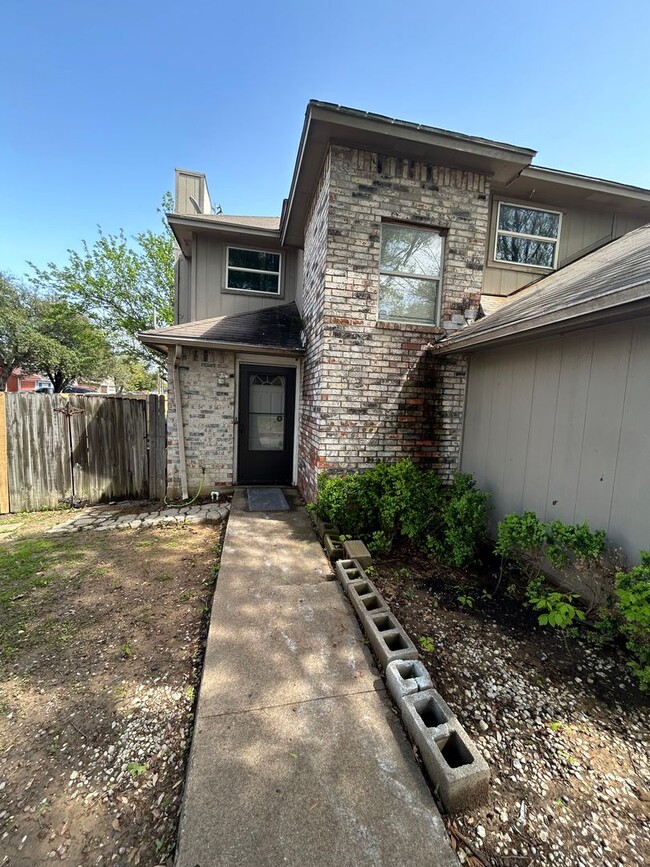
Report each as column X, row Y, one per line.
column 101, row 640
column 560, row 722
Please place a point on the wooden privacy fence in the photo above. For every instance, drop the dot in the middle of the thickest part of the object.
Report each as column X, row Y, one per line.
column 87, row 449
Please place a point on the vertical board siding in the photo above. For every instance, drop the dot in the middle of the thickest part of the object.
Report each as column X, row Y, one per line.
column 117, row 449
column 561, row 427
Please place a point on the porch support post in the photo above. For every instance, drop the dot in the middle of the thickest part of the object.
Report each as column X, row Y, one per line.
column 179, row 421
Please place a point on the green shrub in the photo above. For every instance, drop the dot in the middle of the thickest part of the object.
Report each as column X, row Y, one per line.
column 392, row 501
column 381, row 503
column 463, row 525
column 529, row 543
column 632, row 609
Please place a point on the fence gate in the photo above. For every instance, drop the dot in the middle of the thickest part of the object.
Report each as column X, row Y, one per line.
column 90, row 448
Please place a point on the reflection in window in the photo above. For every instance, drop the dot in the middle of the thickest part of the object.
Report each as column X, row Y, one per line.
column 253, row 271
column 527, row 235
column 266, row 413
column 410, row 273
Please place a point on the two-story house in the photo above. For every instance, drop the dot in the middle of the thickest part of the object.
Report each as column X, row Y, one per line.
column 303, row 342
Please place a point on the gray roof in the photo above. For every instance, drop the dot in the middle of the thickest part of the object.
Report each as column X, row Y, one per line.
column 594, row 288
column 277, row 328
column 253, row 222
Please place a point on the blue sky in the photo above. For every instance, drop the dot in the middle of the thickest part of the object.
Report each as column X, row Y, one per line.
column 99, row 102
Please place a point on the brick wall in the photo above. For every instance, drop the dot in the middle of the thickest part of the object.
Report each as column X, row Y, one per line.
column 208, row 396
column 372, row 391
column 313, row 315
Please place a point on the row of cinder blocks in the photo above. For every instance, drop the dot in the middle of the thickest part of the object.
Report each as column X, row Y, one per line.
column 453, row 763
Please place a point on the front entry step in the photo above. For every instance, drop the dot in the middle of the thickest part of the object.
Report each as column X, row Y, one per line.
column 266, row 500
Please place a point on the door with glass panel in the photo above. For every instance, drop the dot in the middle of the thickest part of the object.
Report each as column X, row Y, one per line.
column 266, row 419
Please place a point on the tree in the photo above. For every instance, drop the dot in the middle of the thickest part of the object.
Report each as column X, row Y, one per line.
column 130, row 374
column 66, row 345
column 17, row 336
column 123, row 288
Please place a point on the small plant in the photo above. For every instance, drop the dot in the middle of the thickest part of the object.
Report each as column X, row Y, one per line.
column 465, row 600
column 426, row 643
column 632, row 601
column 409, row 593
column 557, row 608
column 136, row 769
column 126, row 650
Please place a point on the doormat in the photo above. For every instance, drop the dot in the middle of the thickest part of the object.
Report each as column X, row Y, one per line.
column 266, row 500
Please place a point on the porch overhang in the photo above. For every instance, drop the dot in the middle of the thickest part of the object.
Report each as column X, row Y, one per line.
column 274, row 330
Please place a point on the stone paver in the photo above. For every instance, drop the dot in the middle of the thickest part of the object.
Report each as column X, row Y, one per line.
column 122, row 517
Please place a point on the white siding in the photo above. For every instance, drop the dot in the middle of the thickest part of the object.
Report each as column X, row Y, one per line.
column 562, row 427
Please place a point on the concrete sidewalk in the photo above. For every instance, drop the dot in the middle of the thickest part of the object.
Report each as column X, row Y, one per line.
column 297, row 757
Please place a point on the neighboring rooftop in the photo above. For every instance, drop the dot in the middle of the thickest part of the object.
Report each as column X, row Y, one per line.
column 273, row 328
column 606, row 285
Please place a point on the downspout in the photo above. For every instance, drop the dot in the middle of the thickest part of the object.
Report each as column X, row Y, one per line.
column 179, row 421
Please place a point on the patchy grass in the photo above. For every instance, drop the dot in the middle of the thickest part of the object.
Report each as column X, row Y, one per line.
column 101, row 639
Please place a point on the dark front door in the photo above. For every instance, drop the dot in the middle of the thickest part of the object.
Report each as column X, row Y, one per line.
column 266, row 417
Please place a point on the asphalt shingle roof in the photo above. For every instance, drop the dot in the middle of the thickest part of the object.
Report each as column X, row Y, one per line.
column 616, row 274
column 273, row 327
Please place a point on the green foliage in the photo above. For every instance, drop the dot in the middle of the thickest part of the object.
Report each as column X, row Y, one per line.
column 17, row 334
column 557, row 608
column 463, row 526
column 426, row 643
column 124, row 287
column 381, row 503
column 567, row 542
column 465, row 600
column 521, row 539
column 528, row 542
column 392, row 501
column 66, row 345
column 632, row 606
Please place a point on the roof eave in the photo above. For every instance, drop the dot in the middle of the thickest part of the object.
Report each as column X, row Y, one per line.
column 325, row 124
column 158, row 341
column 183, row 226
column 634, row 300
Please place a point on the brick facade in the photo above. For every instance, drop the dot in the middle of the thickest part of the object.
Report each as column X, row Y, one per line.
column 371, row 391
column 207, row 379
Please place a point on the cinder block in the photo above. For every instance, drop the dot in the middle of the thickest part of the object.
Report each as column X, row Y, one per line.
column 388, row 639
column 365, row 597
column 333, row 547
column 457, row 770
column 405, row 677
column 323, row 528
column 347, row 571
column 356, row 550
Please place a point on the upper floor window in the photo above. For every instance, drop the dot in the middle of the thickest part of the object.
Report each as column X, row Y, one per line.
column 253, row 271
column 410, row 272
column 528, row 236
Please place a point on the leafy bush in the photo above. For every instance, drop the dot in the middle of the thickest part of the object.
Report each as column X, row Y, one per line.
column 529, row 543
column 632, row 610
column 392, row 501
column 381, row 503
column 463, row 526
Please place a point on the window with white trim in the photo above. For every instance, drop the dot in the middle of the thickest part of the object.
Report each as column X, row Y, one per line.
column 253, row 271
column 527, row 236
column 410, row 273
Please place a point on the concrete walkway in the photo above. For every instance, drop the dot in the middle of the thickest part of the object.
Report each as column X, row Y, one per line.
column 297, row 757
